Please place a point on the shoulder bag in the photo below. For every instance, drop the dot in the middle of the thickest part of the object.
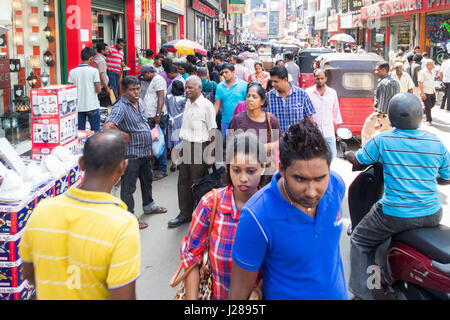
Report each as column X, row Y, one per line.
column 206, row 281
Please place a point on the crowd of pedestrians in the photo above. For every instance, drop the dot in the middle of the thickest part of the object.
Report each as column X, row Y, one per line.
column 261, row 217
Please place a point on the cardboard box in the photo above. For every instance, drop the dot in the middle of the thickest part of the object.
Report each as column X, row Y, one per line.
column 9, row 247
column 39, row 152
column 24, row 292
column 54, row 131
column 54, row 101
column 14, row 216
column 11, row 275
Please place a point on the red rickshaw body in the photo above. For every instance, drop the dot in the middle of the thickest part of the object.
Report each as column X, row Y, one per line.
column 353, row 77
column 305, row 61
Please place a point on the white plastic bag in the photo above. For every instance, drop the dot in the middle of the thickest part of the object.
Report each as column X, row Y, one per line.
column 158, row 145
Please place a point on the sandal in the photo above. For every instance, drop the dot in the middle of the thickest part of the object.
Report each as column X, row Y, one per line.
column 142, row 224
column 157, row 209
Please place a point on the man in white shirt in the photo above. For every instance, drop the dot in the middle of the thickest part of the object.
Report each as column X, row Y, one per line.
column 403, row 78
column 197, row 130
column 156, row 111
column 249, row 63
column 87, row 80
column 445, row 78
column 427, row 90
column 326, row 104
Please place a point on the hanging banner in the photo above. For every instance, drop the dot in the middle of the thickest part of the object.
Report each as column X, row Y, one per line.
column 259, row 24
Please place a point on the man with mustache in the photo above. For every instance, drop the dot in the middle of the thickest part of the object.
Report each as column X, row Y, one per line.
column 326, row 104
column 290, row 229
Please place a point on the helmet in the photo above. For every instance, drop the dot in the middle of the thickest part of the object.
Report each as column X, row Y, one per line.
column 405, row 111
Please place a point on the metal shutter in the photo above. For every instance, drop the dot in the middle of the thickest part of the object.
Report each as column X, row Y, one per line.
column 111, row 5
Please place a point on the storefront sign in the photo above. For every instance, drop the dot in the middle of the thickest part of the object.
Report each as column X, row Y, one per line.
column 391, row 8
column 333, row 25
column 436, row 4
column 344, row 6
column 355, row 5
column 321, row 20
column 5, row 80
column 356, row 21
column 345, row 21
column 175, row 6
column 200, row 7
column 237, row 8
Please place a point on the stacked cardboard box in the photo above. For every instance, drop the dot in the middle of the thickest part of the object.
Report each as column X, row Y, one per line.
column 54, row 119
column 13, row 218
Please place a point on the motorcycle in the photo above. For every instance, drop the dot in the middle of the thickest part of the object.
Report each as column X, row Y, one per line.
column 417, row 263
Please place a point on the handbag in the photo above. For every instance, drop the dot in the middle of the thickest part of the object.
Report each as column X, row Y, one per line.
column 206, row 183
column 206, row 281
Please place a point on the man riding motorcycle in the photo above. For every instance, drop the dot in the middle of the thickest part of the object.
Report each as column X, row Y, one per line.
column 413, row 162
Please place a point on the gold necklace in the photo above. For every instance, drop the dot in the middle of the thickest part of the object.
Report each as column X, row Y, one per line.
column 289, row 198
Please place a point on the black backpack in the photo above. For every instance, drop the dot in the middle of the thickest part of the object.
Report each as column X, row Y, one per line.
column 209, row 181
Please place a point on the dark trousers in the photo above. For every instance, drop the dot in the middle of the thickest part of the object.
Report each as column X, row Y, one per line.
column 114, row 81
column 189, row 171
column 137, row 168
column 161, row 162
column 446, row 97
column 429, row 103
column 94, row 120
column 374, row 230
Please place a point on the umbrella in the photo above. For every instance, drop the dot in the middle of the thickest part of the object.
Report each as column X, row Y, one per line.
column 342, row 37
column 184, row 47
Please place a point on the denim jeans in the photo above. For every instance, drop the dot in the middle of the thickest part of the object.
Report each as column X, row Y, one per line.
column 375, row 229
column 138, row 168
column 161, row 162
column 331, row 141
column 93, row 117
column 224, row 127
column 114, row 80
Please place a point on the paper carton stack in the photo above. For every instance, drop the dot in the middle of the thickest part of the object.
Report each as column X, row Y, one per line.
column 54, row 119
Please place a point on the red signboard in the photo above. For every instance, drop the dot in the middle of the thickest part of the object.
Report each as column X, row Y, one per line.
column 5, row 81
column 197, row 5
column 399, row 7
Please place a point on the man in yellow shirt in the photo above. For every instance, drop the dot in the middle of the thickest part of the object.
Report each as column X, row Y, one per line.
column 84, row 244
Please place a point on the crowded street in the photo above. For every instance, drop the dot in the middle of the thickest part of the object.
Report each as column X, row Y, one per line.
column 224, row 150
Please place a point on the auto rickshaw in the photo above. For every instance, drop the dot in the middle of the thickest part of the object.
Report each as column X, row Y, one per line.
column 353, row 77
column 305, row 61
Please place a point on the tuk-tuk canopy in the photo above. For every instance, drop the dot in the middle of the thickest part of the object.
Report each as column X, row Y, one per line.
column 306, row 57
column 349, row 60
column 351, row 75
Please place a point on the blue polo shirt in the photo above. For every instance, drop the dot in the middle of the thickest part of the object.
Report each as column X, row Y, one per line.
column 298, row 255
column 230, row 97
column 411, row 162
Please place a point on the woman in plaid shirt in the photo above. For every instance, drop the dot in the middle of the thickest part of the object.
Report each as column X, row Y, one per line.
column 245, row 166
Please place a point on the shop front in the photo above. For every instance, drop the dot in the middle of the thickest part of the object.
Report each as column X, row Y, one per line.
column 172, row 20
column 29, row 58
column 204, row 22
column 320, row 27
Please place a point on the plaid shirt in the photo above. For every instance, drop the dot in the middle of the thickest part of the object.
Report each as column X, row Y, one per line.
column 221, row 239
column 292, row 109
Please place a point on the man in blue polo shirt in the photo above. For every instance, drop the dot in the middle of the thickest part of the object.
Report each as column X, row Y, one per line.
column 413, row 163
column 291, row 228
column 228, row 93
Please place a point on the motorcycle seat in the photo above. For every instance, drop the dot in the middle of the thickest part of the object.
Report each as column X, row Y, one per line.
column 431, row 242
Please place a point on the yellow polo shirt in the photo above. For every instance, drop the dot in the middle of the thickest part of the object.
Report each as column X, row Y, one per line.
column 81, row 244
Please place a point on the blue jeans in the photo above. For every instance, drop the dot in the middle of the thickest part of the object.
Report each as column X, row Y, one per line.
column 114, row 80
column 224, row 127
column 161, row 162
column 331, row 141
column 94, row 120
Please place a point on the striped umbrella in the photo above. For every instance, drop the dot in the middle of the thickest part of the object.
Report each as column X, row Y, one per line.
column 184, row 47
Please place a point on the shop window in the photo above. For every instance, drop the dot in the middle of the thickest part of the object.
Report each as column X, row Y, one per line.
column 27, row 60
column 378, row 40
column 358, row 81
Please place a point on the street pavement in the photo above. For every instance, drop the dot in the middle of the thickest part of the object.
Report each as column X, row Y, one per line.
column 160, row 246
